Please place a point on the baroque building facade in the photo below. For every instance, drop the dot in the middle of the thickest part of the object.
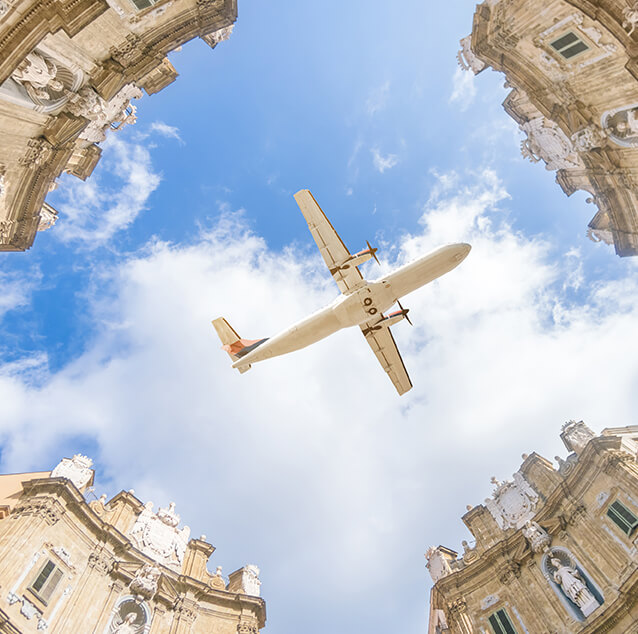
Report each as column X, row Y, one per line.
column 68, row 72
column 556, row 549
column 572, row 66
column 110, row 567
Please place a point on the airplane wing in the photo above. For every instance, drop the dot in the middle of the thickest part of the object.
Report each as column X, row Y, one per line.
column 385, row 348
column 333, row 250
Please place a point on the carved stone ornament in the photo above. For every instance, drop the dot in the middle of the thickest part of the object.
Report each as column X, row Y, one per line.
column 537, row 538
column 4, row 7
column 469, row 554
column 575, row 435
column 512, row 503
column 37, row 153
column 104, row 115
column 630, row 18
column 76, row 469
column 589, row 138
column 157, row 535
column 217, row 580
column 247, row 628
column 144, row 584
column 437, row 564
column 621, row 125
column 489, row 601
column 48, row 217
column 63, row 554
column 3, row 172
column 43, row 507
column 546, row 141
column 221, row 35
column 467, row 59
column 38, row 74
column 28, row 610
column 250, row 583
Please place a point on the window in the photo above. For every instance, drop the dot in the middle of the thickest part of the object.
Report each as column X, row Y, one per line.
column 500, row 623
column 622, row 517
column 569, row 45
column 46, row 581
column 144, row 4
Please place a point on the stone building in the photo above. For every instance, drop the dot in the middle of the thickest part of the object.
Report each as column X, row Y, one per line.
column 572, row 66
column 68, row 72
column 556, row 549
column 98, row 567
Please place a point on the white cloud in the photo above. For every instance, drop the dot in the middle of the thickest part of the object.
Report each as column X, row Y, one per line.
column 311, row 461
column 383, row 163
column 378, row 99
column 166, row 130
column 463, row 88
column 92, row 212
column 17, row 290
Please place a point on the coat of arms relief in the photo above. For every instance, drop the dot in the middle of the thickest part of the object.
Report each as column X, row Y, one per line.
column 158, row 536
column 513, row 503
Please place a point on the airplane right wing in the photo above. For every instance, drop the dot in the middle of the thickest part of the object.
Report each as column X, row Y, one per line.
column 334, row 251
column 385, row 348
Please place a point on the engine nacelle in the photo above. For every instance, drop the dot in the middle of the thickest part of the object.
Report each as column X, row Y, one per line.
column 388, row 320
column 357, row 259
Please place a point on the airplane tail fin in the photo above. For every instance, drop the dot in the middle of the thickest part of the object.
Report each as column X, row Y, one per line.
column 233, row 344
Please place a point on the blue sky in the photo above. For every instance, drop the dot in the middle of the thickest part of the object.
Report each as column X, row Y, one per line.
column 311, row 466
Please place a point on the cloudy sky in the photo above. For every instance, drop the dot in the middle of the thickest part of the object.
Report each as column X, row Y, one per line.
column 310, row 465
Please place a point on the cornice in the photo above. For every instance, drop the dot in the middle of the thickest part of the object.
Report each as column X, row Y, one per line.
column 172, row 585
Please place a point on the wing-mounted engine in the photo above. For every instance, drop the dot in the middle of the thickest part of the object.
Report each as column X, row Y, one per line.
column 388, row 320
column 357, row 259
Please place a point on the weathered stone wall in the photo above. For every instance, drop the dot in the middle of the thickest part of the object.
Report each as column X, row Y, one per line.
column 572, row 108
column 68, row 72
column 545, row 514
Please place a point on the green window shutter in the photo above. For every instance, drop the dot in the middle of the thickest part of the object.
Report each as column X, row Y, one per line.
column 622, row 517
column 43, row 576
column 569, row 45
column 143, row 4
column 500, row 623
column 51, row 585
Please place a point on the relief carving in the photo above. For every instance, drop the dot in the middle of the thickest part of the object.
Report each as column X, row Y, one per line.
column 537, row 538
column 77, row 469
column 38, row 152
column 630, row 15
column 144, row 585
column 546, row 141
column 512, row 503
column 575, row 435
column 467, row 59
column 157, row 535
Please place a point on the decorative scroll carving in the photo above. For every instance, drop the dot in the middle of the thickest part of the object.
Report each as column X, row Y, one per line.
column 102, row 562
column 44, row 507
column 144, row 584
column 467, row 59
column 63, row 554
column 588, row 138
column 48, row 217
column 76, row 469
column 630, row 15
column 217, row 580
column 546, row 141
column 38, row 152
column 512, row 503
column 576, row 435
column 221, row 35
column 537, row 538
column 469, row 554
column 157, row 535
column 104, row 115
column 247, row 628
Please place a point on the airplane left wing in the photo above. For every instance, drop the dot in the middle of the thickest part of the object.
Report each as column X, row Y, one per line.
column 334, row 251
column 385, row 348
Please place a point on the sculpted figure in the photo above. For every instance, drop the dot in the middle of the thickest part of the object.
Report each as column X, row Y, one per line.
column 38, row 74
column 572, row 583
column 127, row 625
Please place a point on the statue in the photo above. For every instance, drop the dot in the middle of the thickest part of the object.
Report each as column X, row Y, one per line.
column 127, row 626
column 573, row 585
column 538, row 538
column 38, row 75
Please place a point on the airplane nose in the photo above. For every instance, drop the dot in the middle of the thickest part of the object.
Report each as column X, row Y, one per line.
column 461, row 252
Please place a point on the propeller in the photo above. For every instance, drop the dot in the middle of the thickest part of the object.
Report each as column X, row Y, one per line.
column 374, row 252
column 405, row 313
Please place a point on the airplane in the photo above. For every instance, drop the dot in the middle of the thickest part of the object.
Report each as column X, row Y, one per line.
column 361, row 303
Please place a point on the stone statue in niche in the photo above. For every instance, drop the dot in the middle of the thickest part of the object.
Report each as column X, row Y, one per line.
column 38, row 75
column 622, row 125
column 130, row 618
column 573, row 585
column 437, row 564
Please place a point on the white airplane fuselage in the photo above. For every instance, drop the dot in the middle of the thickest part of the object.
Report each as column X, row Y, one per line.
column 364, row 304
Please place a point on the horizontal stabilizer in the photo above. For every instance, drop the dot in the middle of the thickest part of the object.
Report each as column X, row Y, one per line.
column 233, row 344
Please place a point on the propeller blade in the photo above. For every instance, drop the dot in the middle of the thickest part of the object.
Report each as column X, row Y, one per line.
column 374, row 253
column 405, row 313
